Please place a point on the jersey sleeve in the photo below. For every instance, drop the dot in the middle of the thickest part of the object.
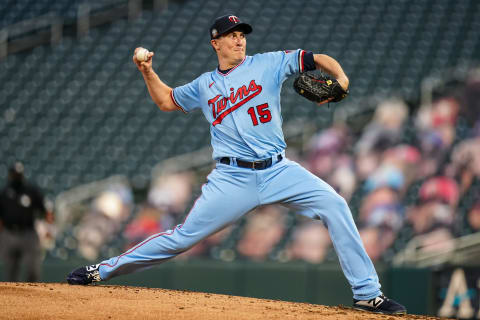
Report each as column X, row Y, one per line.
column 291, row 62
column 186, row 97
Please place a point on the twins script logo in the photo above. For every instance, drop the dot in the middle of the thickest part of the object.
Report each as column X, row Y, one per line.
column 237, row 99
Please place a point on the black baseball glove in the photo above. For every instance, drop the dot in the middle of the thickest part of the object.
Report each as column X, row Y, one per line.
column 319, row 88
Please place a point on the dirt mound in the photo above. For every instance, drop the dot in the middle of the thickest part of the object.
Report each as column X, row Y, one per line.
column 62, row 301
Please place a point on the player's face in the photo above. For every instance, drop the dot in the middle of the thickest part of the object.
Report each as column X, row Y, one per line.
column 231, row 46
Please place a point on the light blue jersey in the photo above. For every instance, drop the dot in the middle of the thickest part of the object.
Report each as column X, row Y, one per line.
column 243, row 105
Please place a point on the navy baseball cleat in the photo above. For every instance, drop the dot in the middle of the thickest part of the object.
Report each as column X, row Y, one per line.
column 84, row 275
column 380, row 304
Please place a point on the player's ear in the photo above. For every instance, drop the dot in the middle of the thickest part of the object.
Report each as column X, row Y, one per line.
column 214, row 44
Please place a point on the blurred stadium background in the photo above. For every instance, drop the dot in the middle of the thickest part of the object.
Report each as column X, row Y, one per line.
column 403, row 149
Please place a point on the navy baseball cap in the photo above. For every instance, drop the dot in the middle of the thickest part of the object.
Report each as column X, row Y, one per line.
column 227, row 23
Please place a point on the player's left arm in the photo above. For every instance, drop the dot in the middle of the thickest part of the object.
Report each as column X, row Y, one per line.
column 332, row 67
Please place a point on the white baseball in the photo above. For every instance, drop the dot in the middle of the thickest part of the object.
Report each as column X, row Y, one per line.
column 142, row 54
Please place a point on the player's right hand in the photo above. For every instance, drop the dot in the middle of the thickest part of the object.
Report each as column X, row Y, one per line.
column 143, row 66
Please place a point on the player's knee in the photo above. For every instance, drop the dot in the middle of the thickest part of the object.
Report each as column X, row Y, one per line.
column 333, row 202
column 341, row 203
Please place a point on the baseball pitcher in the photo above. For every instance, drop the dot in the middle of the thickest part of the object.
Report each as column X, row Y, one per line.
column 241, row 101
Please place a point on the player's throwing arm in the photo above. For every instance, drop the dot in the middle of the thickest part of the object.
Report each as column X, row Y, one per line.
column 158, row 90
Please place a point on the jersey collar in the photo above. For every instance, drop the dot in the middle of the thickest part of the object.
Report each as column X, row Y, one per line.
column 231, row 70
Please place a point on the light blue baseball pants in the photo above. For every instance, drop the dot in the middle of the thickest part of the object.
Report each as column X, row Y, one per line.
column 231, row 192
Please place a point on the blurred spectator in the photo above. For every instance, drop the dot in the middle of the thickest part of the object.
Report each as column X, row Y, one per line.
column 442, row 112
column 381, row 217
column 384, row 200
column 99, row 226
column 344, row 180
column 310, row 242
column 386, row 176
column 442, row 189
column 47, row 230
column 377, row 240
column 436, row 133
column 430, row 215
column 148, row 221
column 474, row 217
column 386, row 216
column 438, row 198
column 384, row 131
column 324, row 149
column 264, row 229
column 406, row 158
column 172, row 192
column 470, row 108
column 366, row 162
column 20, row 205
column 328, row 160
column 466, row 162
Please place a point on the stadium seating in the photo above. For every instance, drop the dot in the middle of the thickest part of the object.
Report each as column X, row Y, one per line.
column 13, row 11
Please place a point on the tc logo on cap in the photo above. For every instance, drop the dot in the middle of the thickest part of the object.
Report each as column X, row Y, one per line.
column 227, row 23
column 234, row 19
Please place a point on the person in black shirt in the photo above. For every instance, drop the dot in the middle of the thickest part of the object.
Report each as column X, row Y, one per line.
column 20, row 204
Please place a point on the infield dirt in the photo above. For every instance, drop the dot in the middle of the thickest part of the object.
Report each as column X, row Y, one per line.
column 63, row 301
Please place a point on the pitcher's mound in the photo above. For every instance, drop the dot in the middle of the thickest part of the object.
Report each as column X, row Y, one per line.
column 63, row 301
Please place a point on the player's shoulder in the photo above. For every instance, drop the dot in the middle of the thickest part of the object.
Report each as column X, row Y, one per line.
column 268, row 56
